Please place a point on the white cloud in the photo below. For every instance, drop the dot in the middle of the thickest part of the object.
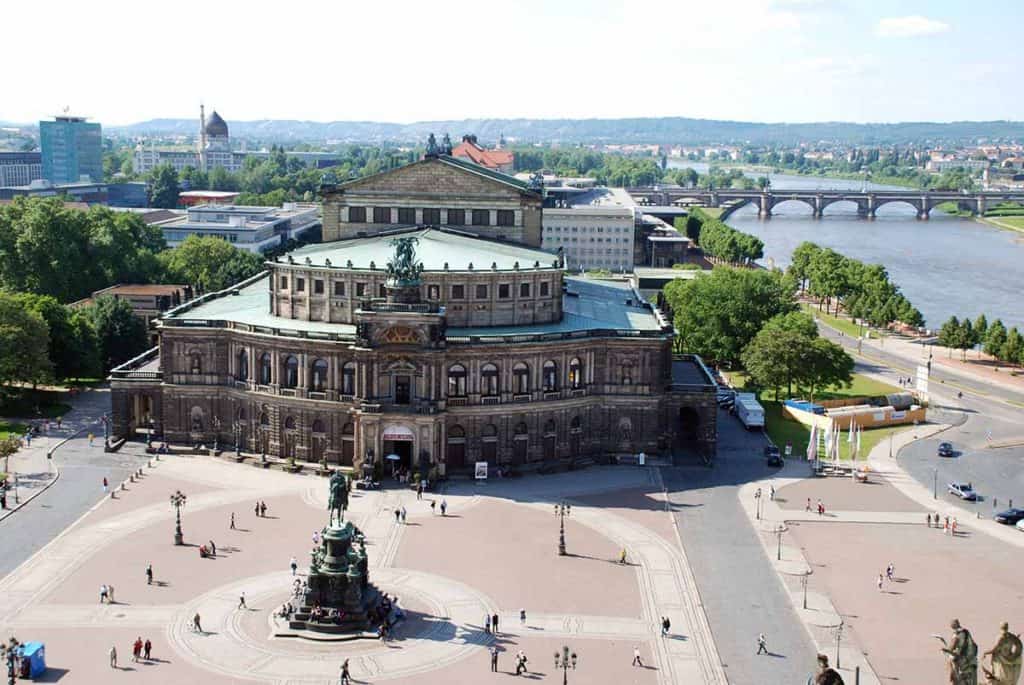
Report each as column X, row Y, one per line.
column 906, row 27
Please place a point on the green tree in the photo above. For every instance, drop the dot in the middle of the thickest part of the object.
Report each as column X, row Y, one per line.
column 64, row 349
column 995, row 338
column 950, row 335
column 828, row 276
column 775, row 356
column 800, row 266
column 120, row 334
column 825, row 364
column 24, row 339
column 163, row 187
column 718, row 314
column 209, row 263
column 1013, row 348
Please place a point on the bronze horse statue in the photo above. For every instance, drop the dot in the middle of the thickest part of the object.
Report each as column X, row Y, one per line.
column 338, row 498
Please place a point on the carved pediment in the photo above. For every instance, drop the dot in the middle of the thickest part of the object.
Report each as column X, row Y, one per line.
column 401, row 365
column 432, row 177
column 399, row 335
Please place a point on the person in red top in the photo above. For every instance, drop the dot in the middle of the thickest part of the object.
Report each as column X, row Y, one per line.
column 137, row 649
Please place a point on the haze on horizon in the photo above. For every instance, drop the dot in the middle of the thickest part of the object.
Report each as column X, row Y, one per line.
column 747, row 60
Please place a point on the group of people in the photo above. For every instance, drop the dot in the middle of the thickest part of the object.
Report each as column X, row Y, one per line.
column 949, row 525
column 890, row 575
column 320, row 615
column 820, row 507
column 140, row 650
column 261, row 509
column 208, row 550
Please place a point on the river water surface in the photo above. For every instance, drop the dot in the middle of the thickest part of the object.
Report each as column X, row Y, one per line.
column 946, row 266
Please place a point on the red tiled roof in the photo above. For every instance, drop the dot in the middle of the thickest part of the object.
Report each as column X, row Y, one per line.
column 492, row 159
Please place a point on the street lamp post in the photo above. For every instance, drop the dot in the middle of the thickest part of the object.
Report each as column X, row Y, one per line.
column 757, row 503
column 778, row 533
column 935, row 483
column 839, row 637
column 237, row 429
column 565, row 660
column 178, row 501
column 803, row 581
column 561, row 511
column 216, row 433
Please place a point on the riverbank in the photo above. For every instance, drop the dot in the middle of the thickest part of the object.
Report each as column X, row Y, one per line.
column 817, row 173
column 1009, row 223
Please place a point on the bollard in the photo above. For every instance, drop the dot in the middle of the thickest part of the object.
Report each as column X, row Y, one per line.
column 856, row 676
column 150, row 464
column 131, row 478
column 123, row 486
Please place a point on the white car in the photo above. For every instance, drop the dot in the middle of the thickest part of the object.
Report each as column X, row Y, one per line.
column 1020, row 525
column 963, row 491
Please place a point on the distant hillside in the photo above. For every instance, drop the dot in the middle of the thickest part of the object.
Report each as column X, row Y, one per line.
column 673, row 130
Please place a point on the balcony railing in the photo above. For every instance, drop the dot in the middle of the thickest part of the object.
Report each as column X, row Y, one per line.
column 458, row 401
column 490, row 399
column 522, row 397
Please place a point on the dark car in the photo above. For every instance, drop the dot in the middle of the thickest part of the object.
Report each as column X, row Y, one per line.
column 945, row 449
column 1010, row 516
column 772, row 456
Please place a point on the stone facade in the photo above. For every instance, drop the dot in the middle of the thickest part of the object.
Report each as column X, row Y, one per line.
column 436, row 191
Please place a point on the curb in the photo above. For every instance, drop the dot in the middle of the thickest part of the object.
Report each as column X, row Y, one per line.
column 56, row 476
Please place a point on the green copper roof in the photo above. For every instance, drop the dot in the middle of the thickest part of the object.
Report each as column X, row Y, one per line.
column 435, row 249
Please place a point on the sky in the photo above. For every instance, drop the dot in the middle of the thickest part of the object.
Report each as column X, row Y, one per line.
column 120, row 62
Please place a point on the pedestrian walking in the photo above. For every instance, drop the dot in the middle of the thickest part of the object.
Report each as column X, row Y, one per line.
column 149, row 574
column 213, row 548
column 91, row 437
column 60, row 421
column 521, row 663
column 137, row 649
column 346, row 678
column 444, row 507
column 398, row 514
column 890, row 571
column 257, row 509
column 637, row 661
column 928, row 519
column 762, row 644
column 821, row 508
column 880, row 581
column 433, row 504
column 103, row 594
column 263, row 509
column 494, row 623
column 952, row 528
column 295, row 565
column 419, row 490
column 241, row 601
column 665, row 625
column 945, row 526
column 403, row 513
column 808, row 508
column 147, row 649
column 522, row 617
column 487, row 623
column 232, row 520
column 112, row 654
column 771, row 492
column 106, row 485
column 196, row 625
column 494, row 658
column 622, row 556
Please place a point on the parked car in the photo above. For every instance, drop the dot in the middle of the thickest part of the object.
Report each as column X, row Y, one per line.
column 1020, row 525
column 963, row 491
column 772, row 456
column 945, row 449
column 1009, row 517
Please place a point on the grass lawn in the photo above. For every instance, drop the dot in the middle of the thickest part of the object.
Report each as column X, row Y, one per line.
column 9, row 428
column 840, row 323
column 782, row 430
column 713, row 212
column 1014, row 223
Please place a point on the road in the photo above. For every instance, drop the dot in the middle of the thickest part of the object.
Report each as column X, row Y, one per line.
column 79, row 488
column 742, row 594
column 980, row 414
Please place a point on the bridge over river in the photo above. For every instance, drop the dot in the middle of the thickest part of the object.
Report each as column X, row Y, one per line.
column 867, row 201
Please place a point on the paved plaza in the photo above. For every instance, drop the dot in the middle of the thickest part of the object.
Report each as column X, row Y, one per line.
column 494, row 552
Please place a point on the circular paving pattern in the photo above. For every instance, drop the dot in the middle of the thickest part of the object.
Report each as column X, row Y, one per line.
column 443, row 628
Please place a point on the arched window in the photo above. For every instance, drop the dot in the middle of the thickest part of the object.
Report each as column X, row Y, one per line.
column 575, row 373
column 625, row 429
column 575, row 436
column 265, row 369
column 522, row 430
column 240, row 415
column 195, row 362
column 521, row 378
column 455, row 454
column 457, row 380
column 549, row 439
column 291, row 372
column 521, row 443
column 550, row 376
column 243, row 366
column 489, row 444
column 196, row 416
column 289, row 423
column 348, row 378
column 318, row 376
column 264, row 419
column 318, row 426
column 627, row 374
column 489, row 380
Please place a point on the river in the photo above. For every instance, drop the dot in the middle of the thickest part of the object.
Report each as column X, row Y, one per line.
column 945, row 266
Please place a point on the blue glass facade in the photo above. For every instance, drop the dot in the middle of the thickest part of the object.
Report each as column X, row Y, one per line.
column 72, row 148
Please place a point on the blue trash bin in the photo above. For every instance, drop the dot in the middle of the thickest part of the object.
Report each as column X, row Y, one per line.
column 35, row 654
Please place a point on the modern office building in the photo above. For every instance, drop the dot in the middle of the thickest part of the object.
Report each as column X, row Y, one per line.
column 437, row 347
column 256, row 229
column 20, row 168
column 72, row 150
column 593, row 229
column 81, row 191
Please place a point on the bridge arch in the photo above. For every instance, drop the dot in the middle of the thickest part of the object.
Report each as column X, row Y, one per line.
column 860, row 205
column 777, row 200
column 915, row 203
column 736, row 204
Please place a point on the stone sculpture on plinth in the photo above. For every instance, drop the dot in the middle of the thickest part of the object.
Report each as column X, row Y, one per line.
column 1006, row 658
column 962, row 652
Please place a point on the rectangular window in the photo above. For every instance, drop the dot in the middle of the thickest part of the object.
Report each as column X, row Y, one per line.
column 432, row 217
column 360, row 289
column 406, row 215
column 524, row 290
column 300, row 285
column 481, row 292
column 458, row 292
column 318, row 287
column 284, row 283
column 433, row 292
column 382, row 291
column 544, row 289
column 382, row 215
column 481, row 217
column 357, row 215
column 339, row 288
column 506, row 217
column 456, row 217
column 503, row 290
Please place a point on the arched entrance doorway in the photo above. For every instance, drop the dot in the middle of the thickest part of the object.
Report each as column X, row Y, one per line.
column 456, row 452
column 399, row 440
column 689, row 424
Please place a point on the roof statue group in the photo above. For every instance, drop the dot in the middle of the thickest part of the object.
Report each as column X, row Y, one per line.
column 433, row 149
column 962, row 653
column 404, row 270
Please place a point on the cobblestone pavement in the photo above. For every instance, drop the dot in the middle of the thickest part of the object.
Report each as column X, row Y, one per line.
column 52, row 596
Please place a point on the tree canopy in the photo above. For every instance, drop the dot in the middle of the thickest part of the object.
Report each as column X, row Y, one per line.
column 210, row 263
